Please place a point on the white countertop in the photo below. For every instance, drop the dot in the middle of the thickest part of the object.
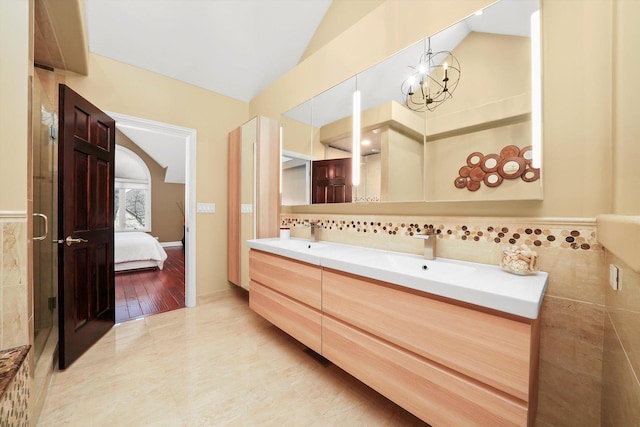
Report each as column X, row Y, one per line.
column 480, row 284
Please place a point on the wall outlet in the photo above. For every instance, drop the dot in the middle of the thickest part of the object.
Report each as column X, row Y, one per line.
column 246, row 208
column 206, row 208
column 615, row 277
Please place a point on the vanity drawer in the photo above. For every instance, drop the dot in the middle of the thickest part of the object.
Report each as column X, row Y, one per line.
column 432, row 393
column 492, row 349
column 298, row 320
column 296, row 279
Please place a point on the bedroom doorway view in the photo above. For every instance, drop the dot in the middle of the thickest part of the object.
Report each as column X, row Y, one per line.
column 151, row 216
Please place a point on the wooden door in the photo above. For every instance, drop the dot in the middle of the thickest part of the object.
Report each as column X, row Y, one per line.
column 86, row 288
column 331, row 181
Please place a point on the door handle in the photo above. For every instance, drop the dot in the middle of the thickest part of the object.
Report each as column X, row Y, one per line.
column 46, row 226
column 70, row 240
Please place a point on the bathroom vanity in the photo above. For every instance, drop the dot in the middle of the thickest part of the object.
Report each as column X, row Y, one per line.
column 453, row 342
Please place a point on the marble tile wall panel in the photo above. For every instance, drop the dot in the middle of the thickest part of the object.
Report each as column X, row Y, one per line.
column 573, row 310
column 621, row 367
column 621, row 389
column 14, row 328
column 570, row 362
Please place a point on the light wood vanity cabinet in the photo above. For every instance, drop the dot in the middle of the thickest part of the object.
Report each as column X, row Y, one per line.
column 253, row 209
column 492, row 349
column 287, row 293
column 449, row 363
column 429, row 391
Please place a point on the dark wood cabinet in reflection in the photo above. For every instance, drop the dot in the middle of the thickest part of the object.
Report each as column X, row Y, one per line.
column 331, row 181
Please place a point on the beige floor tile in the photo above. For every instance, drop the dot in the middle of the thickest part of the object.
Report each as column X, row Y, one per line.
column 218, row 364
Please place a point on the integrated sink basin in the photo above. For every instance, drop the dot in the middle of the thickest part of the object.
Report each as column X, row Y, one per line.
column 299, row 245
column 480, row 284
column 300, row 249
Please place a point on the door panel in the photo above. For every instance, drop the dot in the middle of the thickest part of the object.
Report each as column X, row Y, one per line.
column 102, row 200
column 86, row 221
column 331, row 181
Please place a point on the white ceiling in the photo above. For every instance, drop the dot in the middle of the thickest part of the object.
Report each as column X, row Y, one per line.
column 168, row 150
column 233, row 47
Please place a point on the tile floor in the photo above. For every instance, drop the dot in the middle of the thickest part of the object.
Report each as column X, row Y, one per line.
column 218, row 364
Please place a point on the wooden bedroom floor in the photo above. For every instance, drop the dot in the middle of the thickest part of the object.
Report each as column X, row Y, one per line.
column 146, row 292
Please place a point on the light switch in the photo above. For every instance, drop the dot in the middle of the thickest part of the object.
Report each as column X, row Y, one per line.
column 615, row 276
column 246, row 208
column 206, row 208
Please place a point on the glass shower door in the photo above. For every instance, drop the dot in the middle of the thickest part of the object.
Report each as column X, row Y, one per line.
column 45, row 208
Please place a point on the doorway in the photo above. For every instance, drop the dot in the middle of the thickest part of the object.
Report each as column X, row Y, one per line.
column 45, row 206
column 187, row 136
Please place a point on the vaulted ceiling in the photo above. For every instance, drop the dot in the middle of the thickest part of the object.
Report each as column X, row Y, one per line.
column 233, row 47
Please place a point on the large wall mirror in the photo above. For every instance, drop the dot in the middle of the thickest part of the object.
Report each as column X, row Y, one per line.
column 479, row 144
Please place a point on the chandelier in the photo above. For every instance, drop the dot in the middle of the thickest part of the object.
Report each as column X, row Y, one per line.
column 432, row 81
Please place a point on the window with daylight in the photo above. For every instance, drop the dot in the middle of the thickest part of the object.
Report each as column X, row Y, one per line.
column 132, row 193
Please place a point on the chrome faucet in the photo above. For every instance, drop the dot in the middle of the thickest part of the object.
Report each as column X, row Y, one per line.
column 313, row 225
column 429, row 236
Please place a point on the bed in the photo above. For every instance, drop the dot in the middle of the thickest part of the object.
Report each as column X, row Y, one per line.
column 135, row 250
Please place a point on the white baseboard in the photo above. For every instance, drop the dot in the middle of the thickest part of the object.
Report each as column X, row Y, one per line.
column 170, row 244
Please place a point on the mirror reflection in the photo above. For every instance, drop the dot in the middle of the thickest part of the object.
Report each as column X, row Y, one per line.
column 408, row 155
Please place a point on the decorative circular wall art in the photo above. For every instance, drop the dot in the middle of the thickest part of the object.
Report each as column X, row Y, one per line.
column 511, row 167
column 492, row 179
column 512, row 163
column 474, row 159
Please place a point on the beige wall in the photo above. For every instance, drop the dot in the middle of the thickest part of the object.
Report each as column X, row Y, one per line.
column 495, row 89
column 402, row 160
column 626, row 126
column 340, row 16
column 14, row 83
column 16, row 308
column 452, row 154
column 296, row 136
column 166, row 217
column 494, row 67
column 370, row 172
column 124, row 89
column 621, row 359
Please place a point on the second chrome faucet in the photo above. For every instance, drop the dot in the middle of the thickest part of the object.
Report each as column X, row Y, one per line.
column 429, row 236
column 313, row 225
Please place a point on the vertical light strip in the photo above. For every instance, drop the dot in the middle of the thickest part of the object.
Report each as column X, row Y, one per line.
column 280, row 155
column 355, row 152
column 536, row 91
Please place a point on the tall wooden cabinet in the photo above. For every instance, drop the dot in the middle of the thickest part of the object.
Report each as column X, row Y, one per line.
column 253, row 208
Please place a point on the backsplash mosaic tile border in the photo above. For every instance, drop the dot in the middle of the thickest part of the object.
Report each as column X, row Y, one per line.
column 563, row 234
